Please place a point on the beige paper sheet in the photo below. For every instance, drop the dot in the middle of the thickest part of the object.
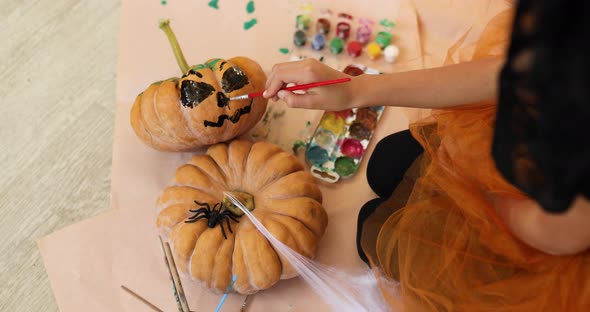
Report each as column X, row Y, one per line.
column 89, row 261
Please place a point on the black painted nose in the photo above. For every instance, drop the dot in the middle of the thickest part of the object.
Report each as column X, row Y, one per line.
column 222, row 100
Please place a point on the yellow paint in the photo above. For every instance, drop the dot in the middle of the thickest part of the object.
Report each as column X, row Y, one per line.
column 373, row 50
column 333, row 124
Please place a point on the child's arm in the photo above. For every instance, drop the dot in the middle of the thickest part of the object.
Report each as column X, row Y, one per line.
column 441, row 87
column 557, row 234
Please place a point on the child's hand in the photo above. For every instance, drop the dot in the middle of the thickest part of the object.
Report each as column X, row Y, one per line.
column 331, row 98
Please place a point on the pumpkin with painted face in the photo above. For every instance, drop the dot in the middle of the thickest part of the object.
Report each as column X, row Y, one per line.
column 183, row 114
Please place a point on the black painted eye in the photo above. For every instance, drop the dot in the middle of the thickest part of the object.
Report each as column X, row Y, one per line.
column 233, row 79
column 192, row 93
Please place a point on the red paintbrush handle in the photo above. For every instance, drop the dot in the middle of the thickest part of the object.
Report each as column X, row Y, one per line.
column 305, row 86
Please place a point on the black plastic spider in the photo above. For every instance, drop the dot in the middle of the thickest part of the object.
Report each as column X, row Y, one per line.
column 213, row 216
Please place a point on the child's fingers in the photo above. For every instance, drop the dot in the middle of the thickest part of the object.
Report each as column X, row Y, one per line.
column 297, row 100
column 293, row 72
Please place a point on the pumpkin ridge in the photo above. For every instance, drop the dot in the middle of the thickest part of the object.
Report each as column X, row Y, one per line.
column 291, row 231
column 223, row 182
column 169, row 191
column 211, row 178
column 163, row 136
column 298, row 220
column 233, row 240
column 267, row 150
column 225, row 177
column 276, row 177
column 177, row 130
column 206, row 191
column 245, row 165
column 186, row 119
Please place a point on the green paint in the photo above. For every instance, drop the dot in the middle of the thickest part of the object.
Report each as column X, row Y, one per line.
column 249, row 24
column 345, row 166
column 250, row 7
column 211, row 64
column 308, row 124
column 199, row 66
column 284, row 50
column 213, row 4
column 163, row 2
column 387, row 23
column 322, row 58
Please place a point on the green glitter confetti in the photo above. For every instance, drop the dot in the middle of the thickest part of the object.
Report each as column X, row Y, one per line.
column 213, row 4
column 163, row 2
column 250, row 24
column 284, row 50
column 308, row 124
column 250, row 7
column 387, row 23
column 297, row 145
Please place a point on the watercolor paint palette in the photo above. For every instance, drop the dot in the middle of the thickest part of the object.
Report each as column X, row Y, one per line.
column 338, row 144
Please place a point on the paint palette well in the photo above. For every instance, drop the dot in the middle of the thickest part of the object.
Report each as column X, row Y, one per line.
column 339, row 142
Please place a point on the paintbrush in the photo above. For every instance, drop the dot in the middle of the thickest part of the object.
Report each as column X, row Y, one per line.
column 176, row 284
column 293, row 88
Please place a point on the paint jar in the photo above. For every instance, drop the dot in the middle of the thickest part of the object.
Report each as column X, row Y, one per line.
column 354, row 48
column 383, row 39
column 336, row 45
column 345, row 15
column 316, row 156
column 345, row 166
column 364, row 31
column 299, row 38
column 318, row 42
column 352, row 148
column 323, row 26
column 373, row 50
column 353, row 70
column 391, row 53
column 343, row 30
column 302, row 22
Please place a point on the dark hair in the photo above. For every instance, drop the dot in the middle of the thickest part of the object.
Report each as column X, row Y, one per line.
column 542, row 137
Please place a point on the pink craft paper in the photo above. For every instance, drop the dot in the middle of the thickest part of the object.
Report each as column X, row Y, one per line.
column 88, row 262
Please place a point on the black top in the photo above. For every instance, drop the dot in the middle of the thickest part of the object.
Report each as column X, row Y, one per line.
column 542, row 137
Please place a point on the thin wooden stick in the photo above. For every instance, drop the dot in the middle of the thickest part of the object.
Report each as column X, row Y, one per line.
column 176, row 283
column 244, row 304
column 140, row 298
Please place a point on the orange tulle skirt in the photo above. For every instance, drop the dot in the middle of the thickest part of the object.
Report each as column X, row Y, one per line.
column 440, row 237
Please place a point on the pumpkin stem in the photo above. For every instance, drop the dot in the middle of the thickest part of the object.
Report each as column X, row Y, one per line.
column 245, row 198
column 165, row 26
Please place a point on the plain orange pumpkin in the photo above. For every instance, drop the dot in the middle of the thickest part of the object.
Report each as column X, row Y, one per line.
column 277, row 190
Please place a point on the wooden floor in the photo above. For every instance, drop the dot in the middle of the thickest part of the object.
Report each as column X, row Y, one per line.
column 57, row 91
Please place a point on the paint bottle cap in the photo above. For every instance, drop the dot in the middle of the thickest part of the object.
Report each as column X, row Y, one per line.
column 383, row 39
column 336, row 45
column 373, row 50
column 318, row 42
column 363, row 34
column 343, row 30
column 353, row 70
column 302, row 22
column 299, row 38
column 323, row 26
column 391, row 53
column 354, row 48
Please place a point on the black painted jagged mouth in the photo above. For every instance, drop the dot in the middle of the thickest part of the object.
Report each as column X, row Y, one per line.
column 234, row 118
